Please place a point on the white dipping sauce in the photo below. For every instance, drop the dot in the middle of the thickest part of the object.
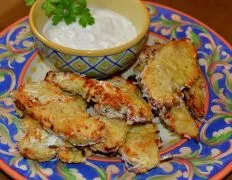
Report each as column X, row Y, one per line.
column 109, row 30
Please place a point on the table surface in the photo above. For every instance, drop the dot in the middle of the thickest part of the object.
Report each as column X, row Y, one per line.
column 216, row 14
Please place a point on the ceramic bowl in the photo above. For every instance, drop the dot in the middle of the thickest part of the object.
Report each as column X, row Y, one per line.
column 93, row 63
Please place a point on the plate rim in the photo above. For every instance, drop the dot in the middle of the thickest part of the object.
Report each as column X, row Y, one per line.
column 221, row 174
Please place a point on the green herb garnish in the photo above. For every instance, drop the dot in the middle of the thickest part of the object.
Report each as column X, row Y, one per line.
column 68, row 10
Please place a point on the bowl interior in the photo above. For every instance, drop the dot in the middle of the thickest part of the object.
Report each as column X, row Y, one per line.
column 133, row 9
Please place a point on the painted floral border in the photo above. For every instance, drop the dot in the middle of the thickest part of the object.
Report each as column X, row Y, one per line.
column 192, row 160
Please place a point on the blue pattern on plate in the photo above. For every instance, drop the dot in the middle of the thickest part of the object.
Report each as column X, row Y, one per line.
column 192, row 160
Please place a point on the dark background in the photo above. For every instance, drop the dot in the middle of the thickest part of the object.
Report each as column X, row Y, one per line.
column 215, row 13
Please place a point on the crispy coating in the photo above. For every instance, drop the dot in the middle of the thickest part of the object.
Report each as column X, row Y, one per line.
column 181, row 121
column 141, row 148
column 144, row 57
column 133, row 95
column 64, row 115
column 116, row 131
column 73, row 155
column 27, row 124
column 38, row 144
column 163, row 72
column 168, row 69
column 194, row 97
column 112, row 101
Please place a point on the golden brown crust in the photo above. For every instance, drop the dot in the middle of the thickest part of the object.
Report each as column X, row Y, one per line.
column 141, row 149
column 181, row 121
column 44, row 94
column 167, row 71
column 110, row 100
column 38, row 144
column 171, row 67
column 140, row 107
column 145, row 56
column 32, row 147
column 194, row 97
column 116, row 131
column 105, row 93
column 64, row 115
column 73, row 155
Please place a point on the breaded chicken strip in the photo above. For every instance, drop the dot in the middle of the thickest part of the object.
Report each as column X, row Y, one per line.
column 169, row 68
column 64, row 115
column 141, row 148
column 111, row 100
column 73, row 155
column 116, row 131
column 38, row 144
column 145, row 56
column 195, row 97
column 180, row 120
column 163, row 72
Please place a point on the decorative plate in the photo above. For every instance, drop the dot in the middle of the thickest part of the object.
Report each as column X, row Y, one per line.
column 211, row 157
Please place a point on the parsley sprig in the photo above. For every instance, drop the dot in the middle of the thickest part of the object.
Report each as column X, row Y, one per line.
column 68, row 11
